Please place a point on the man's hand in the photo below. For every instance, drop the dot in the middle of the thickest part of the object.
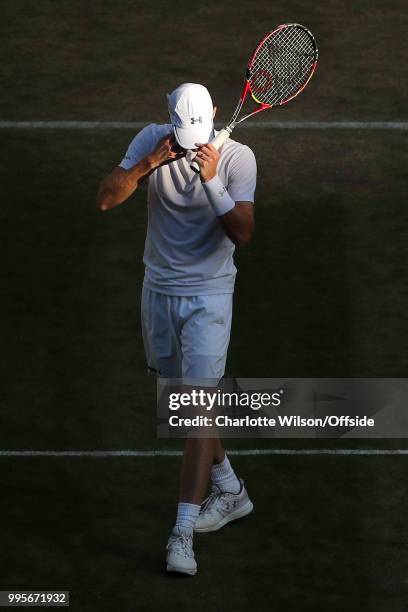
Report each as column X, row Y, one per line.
column 207, row 158
column 165, row 152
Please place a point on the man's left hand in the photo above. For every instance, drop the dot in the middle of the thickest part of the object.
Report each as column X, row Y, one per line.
column 207, row 158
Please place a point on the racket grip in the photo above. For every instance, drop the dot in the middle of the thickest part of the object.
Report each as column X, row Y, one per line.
column 216, row 142
column 221, row 137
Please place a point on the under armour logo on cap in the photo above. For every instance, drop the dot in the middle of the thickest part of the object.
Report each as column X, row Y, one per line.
column 193, row 121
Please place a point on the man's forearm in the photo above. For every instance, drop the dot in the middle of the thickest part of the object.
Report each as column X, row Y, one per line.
column 121, row 183
column 238, row 224
column 236, row 218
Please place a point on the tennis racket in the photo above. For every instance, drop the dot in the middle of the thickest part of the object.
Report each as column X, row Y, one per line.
column 278, row 70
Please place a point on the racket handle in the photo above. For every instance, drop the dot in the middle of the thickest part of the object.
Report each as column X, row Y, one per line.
column 216, row 142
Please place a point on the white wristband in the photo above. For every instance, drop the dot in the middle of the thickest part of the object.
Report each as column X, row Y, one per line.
column 218, row 196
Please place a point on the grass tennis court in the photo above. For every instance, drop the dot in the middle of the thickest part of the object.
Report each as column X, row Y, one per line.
column 321, row 292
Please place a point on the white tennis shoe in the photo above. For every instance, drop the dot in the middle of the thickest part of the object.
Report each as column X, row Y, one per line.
column 221, row 508
column 180, row 554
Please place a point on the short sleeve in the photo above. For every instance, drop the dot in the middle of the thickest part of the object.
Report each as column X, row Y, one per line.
column 242, row 176
column 142, row 144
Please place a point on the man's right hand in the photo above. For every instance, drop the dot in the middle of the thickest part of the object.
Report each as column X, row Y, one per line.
column 165, row 152
column 119, row 185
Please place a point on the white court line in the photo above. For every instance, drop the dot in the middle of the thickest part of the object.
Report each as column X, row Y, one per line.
column 277, row 125
column 176, row 453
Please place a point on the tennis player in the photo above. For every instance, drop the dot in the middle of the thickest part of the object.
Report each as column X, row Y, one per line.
column 195, row 221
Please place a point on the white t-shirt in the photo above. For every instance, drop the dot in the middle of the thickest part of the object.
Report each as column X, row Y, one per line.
column 186, row 250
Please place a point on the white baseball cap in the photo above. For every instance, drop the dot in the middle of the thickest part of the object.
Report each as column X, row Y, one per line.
column 191, row 113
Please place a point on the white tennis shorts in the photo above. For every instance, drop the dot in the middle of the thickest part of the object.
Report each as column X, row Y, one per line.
column 186, row 337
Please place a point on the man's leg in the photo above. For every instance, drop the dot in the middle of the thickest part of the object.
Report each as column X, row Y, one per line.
column 204, row 343
column 228, row 500
column 219, row 453
column 205, row 458
column 161, row 338
column 202, row 459
column 205, row 339
column 198, row 459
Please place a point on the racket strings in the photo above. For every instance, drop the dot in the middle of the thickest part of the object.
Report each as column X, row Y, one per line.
column 282, row 65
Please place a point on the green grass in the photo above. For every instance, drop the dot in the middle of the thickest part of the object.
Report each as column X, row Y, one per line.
column 116, row 60
column 321, row 292
column 324, row 535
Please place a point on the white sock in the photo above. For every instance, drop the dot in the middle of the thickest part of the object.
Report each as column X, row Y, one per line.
column 224, row 477
column 187, row 515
